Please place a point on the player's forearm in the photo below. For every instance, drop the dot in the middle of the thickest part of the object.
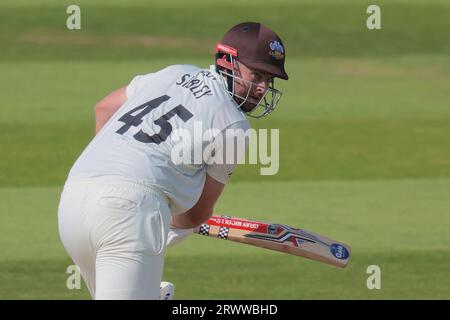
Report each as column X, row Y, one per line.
column 183, row 221
column 191, row 218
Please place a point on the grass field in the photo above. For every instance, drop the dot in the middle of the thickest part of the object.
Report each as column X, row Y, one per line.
column 364, row 127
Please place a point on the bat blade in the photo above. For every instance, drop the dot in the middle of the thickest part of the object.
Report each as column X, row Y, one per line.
column 277, row 237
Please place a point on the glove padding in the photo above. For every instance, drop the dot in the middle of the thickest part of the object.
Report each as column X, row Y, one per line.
column 177, row 235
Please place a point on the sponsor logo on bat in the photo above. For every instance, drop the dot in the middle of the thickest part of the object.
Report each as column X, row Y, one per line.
column 339, row 251
column 234, row 223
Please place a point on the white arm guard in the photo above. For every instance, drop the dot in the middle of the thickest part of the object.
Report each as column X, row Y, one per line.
column 177, row 235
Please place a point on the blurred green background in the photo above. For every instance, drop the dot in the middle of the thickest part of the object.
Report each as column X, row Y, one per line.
column 364, row 153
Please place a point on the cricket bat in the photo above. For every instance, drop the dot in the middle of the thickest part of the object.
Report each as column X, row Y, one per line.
column 277, row 237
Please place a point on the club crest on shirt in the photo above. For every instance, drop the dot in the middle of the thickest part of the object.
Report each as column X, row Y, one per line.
column 276, row 50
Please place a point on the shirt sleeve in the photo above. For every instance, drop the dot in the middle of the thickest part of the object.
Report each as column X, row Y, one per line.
column 137, row 84
column 228, row 150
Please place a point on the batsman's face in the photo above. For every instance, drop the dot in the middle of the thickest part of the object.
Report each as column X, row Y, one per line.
column 255, row 84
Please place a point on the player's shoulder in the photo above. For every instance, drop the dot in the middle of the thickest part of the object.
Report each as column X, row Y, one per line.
column 215, row 96
column 180, row 68
column 206, row 87
column 205, row 75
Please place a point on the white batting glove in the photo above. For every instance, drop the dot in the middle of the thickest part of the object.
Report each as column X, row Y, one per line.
column 177, row 235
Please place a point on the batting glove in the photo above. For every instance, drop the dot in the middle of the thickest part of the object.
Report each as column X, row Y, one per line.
column 177, row 235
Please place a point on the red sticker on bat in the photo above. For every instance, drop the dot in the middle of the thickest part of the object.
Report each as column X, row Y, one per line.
column 240, row 224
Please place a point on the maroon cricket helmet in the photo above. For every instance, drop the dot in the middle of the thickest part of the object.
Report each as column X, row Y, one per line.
column 256, row 46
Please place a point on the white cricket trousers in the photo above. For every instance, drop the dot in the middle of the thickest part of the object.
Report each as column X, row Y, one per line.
column 115, row 231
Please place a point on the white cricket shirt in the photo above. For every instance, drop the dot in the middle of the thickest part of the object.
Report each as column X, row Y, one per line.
column 177, row 110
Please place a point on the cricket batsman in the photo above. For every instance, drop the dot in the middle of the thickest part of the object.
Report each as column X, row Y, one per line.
column 128, row 195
